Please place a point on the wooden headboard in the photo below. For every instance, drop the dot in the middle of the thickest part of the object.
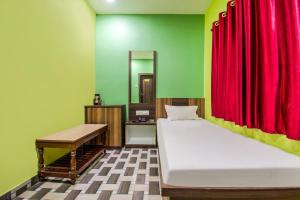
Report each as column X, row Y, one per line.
column 161, row 102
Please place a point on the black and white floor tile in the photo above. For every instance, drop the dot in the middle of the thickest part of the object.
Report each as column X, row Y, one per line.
column 127, row 174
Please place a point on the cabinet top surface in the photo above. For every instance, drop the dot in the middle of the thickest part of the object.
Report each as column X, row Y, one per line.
column 73, row 134
column 105, row 106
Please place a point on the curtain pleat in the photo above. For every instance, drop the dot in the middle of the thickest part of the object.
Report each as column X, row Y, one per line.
column 221, row 64
column 215, row 49
column 240, row 62
column 288, row 20
column 230, row 80
column 267, row 65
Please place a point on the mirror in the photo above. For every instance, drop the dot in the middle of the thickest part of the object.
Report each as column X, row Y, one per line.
column 142, row 77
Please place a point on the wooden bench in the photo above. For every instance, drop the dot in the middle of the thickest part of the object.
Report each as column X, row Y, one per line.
column 85, row 142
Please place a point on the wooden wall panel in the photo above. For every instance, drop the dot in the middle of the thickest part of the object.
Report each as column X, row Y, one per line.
column 200, row 102
column 160, row 107
column 161, row 102
column 114, row 117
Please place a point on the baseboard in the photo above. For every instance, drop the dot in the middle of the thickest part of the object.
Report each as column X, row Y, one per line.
column 12, row 194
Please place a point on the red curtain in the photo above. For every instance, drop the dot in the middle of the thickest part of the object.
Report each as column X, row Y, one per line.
column 256, row 65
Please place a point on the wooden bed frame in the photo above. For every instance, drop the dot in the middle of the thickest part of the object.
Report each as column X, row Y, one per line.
column 170, row 192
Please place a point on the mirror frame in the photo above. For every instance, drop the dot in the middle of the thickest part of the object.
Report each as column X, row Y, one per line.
column 142, row 106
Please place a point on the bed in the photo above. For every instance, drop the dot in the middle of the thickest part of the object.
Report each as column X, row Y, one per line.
column 200, row 160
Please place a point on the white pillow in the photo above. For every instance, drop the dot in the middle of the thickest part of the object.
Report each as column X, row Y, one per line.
column 181, row 112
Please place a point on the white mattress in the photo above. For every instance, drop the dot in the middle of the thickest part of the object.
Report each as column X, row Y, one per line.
column 197, row 153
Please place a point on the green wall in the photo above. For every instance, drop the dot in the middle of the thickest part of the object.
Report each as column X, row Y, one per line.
column 138, row 66
column 47, row 75
column 276, row 140
column 178, row 40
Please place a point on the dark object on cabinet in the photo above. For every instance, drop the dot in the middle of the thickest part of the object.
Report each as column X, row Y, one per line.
column 97, row 100
column 114, row 117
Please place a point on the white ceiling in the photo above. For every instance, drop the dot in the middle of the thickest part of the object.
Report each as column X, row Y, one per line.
column 150, row 6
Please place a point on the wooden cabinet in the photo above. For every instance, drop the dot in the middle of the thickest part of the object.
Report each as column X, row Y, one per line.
column 114, row 117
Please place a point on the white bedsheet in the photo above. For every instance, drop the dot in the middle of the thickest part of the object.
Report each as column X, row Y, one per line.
column 197, row 153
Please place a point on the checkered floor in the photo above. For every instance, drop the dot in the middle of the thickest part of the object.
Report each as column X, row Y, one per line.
column 127, row 174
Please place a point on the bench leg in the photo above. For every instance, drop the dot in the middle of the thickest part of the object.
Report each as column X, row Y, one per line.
column 73, row 172
column 106, row 139
column 41, row 164
column 104, row 143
